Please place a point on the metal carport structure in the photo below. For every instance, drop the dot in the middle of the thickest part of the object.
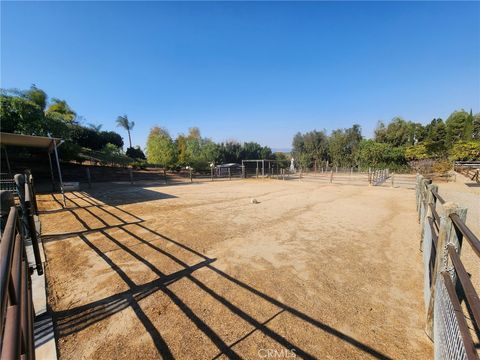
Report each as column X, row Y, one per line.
column 43, row 142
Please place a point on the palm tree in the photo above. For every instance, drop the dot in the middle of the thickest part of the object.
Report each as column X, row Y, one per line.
column 61, row 107
column 95, row 127
column 127, row 125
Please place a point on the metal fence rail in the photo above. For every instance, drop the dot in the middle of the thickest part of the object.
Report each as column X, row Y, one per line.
column 446, row 282
column 16, row 308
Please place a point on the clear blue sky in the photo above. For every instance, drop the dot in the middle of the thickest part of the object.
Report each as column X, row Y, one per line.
column 246, row 71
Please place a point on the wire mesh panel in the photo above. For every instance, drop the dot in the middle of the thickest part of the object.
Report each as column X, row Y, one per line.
column 449, row 344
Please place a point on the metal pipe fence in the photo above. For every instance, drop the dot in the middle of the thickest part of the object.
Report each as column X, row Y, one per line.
column 447, row 284
column 16, row 308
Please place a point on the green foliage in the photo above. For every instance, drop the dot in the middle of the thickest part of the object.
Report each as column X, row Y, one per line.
column 376, row 154
column 123, row 122
column 459, row 127
column 160, row 148
column 344, row 145
column 70, row 151
column 476, row 127
column 466, row 150
column 21, row 116
column 128, row 125
column 135, row 153
column 61, row 109
column 416, row 152
column 112, row 155
column 89, row 138
column 37, row 96
column 435, row 140
column 399, row 132
column 111, row 137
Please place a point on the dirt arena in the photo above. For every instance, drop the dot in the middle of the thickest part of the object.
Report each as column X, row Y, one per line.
column 198, row 271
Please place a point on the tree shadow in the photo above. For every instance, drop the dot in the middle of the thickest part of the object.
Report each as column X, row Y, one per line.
column 68, row 322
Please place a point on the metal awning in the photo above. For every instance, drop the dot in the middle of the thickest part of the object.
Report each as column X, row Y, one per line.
column 43, row 142
column 9, row 139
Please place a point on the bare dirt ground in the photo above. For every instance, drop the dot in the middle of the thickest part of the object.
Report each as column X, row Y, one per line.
column 196, row 271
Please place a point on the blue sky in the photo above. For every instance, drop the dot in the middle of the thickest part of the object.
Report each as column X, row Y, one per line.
column 244, row 70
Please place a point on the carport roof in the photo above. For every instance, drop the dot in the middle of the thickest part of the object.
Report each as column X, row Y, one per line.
column 9, row 139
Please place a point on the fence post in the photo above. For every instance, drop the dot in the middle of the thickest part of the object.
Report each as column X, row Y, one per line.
column 427, row 212
column 243, row 172
column 211, row 173
column 165, row 174
column 283, row 174
column 331, row 177
column 423, row 201
column 446, row 236
column 191, row 175
column 130, row 173
column 417, row 191
column 256, row 173
column 229, row 174
column 89, row 179
column 393, row 184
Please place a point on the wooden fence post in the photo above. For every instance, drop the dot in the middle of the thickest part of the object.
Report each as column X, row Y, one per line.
column 427, row 212
column 423, row 200
column 211, row 173
column 331, row 177
column 393, row 181
column 165, row 175
column 130, row 173
column 191, row 175
column 446, row 236
column 89, row 179
column 229, row 174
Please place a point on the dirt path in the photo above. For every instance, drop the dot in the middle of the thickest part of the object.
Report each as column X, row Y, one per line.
column 199, row 272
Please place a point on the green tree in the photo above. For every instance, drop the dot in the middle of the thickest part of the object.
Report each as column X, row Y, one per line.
column 459, row 126
column 435, row 140
column 466, row 151
column 377, row 154
column 476, row 127
column 416, row 152
column 61, row 108
column 128, row 125
column 135, row 153
column 343, row 145
column 21, row 115
column 37, row 96
column 399, row 132
column 181, row 144
column 160, row 148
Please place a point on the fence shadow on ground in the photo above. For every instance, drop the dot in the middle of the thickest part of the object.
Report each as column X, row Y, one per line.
column 68, row 322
